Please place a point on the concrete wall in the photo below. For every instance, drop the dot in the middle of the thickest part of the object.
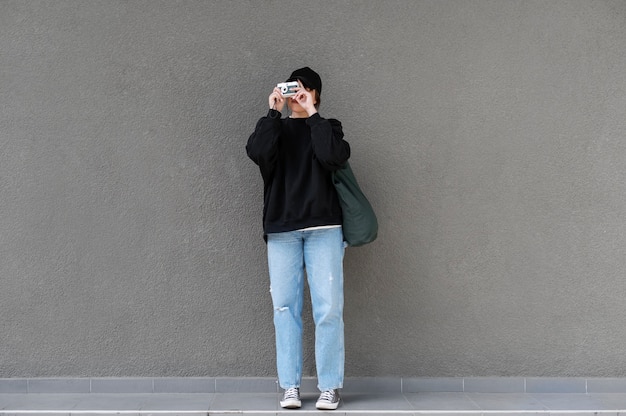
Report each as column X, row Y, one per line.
column 489, row 136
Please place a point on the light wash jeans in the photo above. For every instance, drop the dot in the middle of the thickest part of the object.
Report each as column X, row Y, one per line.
column 321, row 253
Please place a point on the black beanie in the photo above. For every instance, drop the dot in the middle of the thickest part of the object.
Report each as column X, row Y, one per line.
column 309, row 78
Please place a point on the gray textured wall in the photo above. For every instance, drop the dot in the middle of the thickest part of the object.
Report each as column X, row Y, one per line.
column 489, row 136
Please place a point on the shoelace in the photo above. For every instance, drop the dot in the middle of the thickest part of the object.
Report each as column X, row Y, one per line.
column 328, row 396
column 291, row 394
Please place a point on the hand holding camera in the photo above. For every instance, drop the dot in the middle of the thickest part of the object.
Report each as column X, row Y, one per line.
column 283, row 90
column 301, row 100
column 276, row 100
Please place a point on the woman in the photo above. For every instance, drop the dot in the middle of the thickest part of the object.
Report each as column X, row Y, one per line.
column 302, row 227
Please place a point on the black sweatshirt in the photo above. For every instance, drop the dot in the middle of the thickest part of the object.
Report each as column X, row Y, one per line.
column 296, row 157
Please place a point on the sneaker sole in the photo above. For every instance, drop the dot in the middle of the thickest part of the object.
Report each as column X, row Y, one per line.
column 291, row 404
column 326, row 406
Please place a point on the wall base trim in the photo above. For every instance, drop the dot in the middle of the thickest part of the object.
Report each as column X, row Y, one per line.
column 352, row 385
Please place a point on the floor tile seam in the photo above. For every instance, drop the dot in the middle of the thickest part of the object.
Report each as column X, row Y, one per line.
column 213, row 396
column 533, row 396
column 468, row 396
column 542, row 397
column 406, row 399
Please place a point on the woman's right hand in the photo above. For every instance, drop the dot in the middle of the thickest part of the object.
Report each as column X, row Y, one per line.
column 276, row 100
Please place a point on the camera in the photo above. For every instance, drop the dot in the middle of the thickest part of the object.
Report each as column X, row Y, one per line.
column 287, row 88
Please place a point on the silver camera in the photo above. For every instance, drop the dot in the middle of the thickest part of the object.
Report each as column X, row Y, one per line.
column 287, row 88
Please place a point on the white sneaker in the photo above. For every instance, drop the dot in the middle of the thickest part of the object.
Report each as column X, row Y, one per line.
column 291, row 399
column 329, row 400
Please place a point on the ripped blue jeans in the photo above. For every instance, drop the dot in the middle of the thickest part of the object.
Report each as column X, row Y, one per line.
column 319, row 252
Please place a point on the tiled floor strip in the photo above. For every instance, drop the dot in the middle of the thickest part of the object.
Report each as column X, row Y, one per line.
column 304, row 412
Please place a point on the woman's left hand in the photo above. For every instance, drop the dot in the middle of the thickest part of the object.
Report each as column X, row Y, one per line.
column 305, row 99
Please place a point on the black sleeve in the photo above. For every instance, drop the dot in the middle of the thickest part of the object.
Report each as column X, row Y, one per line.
column 262, row 144
column 327, row 140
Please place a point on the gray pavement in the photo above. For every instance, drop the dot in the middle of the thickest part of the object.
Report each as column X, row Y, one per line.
column 440, row 404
